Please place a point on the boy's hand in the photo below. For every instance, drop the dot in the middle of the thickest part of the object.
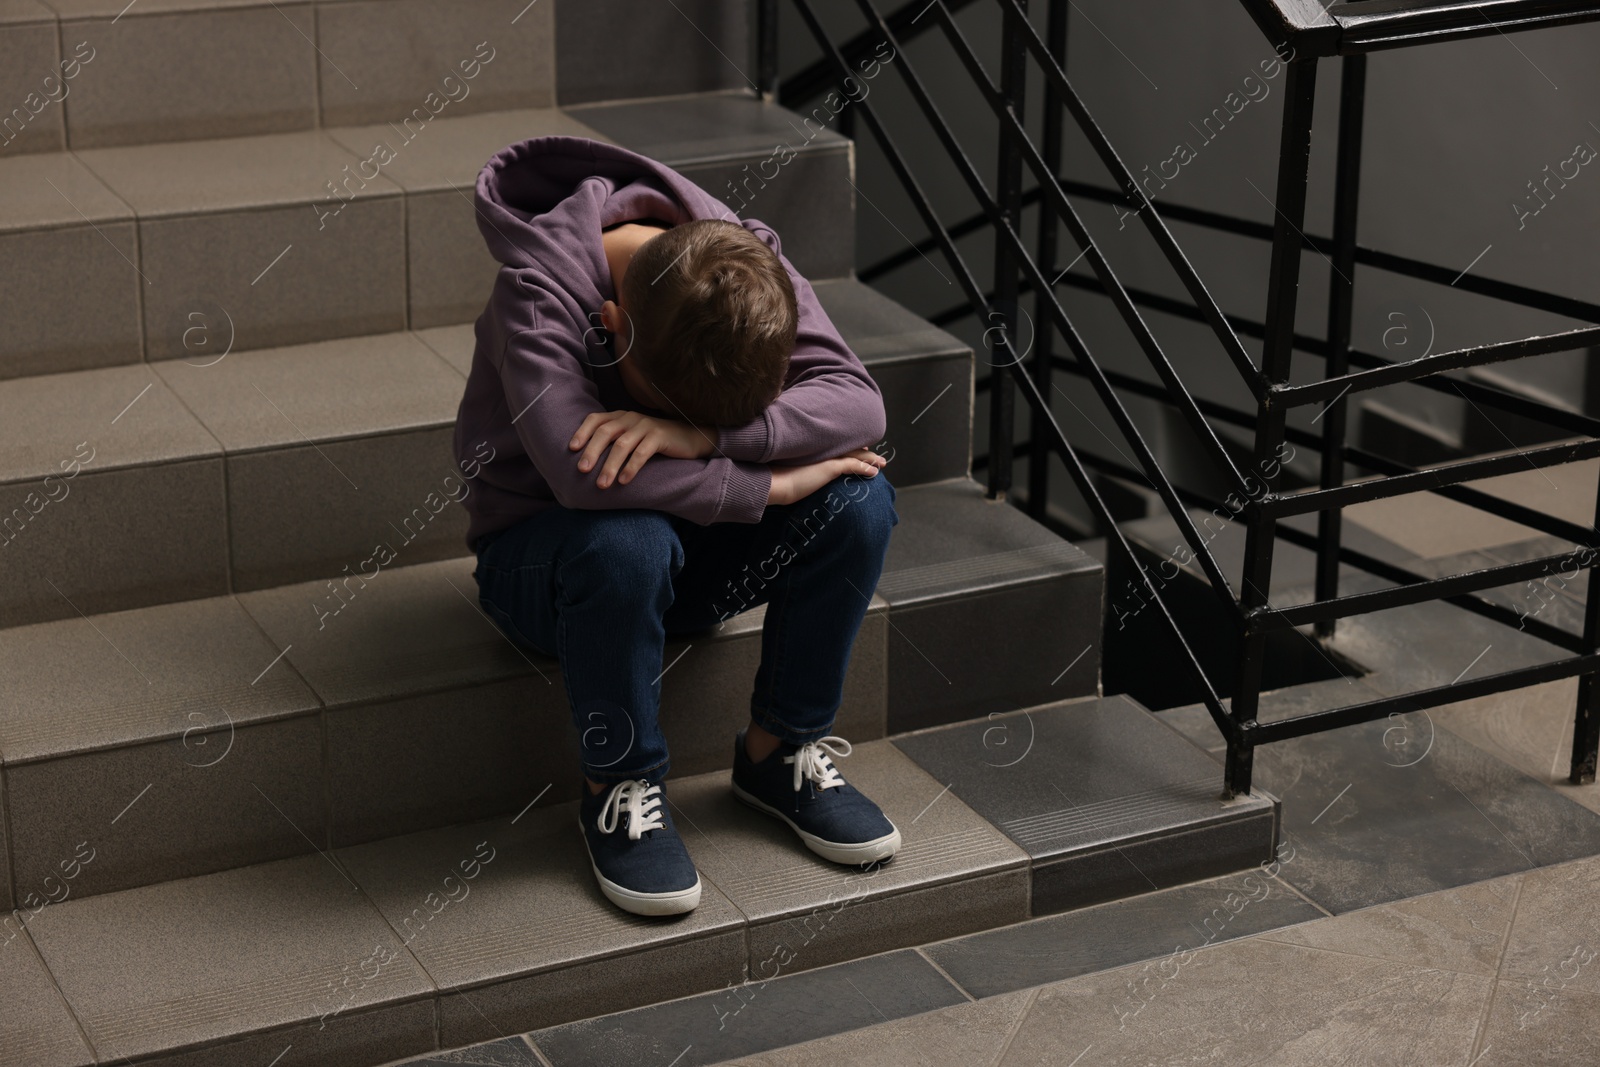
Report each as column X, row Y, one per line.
column 790, row 484
column 634, row 438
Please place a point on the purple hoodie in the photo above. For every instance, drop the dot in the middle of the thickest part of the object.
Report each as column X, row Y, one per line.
column 542, row 362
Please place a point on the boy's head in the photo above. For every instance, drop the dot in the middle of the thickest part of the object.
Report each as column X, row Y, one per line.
column 707, row 322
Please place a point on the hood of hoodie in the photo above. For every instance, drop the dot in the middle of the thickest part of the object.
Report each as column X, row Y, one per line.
column 540, row 202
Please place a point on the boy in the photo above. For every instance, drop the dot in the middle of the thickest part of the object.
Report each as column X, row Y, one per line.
column 676, row 427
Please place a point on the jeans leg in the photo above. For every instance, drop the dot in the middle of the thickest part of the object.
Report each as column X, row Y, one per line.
column 592, row 589
column 815, row 564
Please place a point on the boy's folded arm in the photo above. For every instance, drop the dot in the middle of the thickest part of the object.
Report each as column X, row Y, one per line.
column 548, row 395
column 829, row 404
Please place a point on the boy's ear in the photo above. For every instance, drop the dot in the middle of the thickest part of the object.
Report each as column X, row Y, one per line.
column 611, row 316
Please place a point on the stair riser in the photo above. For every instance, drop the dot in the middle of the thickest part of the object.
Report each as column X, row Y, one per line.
column 927, row 406
column 843, row 931
column 295, row 513
column 965, row 657
column 251, row 70
column 1128, row 870
column 277, row 276
column 810, row 204
column 119, row 539
column 192, row 819
column 102, row 326
column 32, row 87
column 708, row 40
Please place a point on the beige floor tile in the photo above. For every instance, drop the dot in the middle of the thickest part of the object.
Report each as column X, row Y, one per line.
column 1527, row 1027
column 1432, row 526
column 1454, row 930
column 1555, row 940
column 1258, row 1002
column 1528, row 728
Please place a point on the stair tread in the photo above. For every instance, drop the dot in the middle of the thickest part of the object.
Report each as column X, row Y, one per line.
column 143, row 971
column 263, row 170
column 396, row 632
column 703, row 128
column 38, row 1029
column 447, row 153
column 1127, row 776
column 118, row 417
column 880, row 330
column 767, row 872
column 47, row 189
column 323, row 391
column 477, row 930
column 135, row 676
column 954, row 540
column 408, row 630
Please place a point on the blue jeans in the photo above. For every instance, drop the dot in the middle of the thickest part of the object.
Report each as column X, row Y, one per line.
column 601, row 590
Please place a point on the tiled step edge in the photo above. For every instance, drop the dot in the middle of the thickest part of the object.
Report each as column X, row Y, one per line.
column 184, row 250
column 260, row 470
column 240, row 729
column 496, row 928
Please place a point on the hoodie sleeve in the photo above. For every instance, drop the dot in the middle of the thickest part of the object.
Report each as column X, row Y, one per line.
column 548, row 395
column 829, row 404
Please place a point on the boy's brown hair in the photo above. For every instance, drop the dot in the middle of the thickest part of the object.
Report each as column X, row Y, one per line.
column 713, row 320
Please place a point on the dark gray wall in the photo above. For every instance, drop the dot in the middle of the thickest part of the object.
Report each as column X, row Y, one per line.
column 1454, row 134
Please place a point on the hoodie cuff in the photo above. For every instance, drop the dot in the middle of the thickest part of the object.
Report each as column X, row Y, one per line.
column 744, row 494
column 749, row 442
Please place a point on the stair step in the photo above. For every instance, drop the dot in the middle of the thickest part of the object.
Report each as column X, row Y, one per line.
column 1106, row 799
column 709, row 42
column 496, row 927
column 40, row 1029
column 238, row 729
column 203, row 247
column 271, row 68
column 78, row 240
column 989, row 611
column 278, row 465
column 112, row 495
column 295, row 65
column 728, row 144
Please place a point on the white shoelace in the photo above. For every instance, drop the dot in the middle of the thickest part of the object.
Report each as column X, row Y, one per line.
column 811, row 760
column 643, row 802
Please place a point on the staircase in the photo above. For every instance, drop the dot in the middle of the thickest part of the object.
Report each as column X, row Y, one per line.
column 261, row 804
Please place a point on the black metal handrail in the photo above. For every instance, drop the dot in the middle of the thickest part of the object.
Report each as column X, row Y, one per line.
column 1261, row 504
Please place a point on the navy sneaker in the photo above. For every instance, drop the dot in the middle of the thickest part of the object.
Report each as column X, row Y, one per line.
column 636, row 852
column 800, row 785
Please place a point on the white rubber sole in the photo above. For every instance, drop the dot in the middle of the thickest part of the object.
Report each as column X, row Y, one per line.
column 676, row 902
column 856, row 854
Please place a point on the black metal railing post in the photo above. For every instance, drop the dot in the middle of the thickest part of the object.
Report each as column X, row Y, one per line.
column 1049, row 241
column 1586, row 720
column 1341, row 306
column 1002, row 334
column 767, row 50
column 1283, row 285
